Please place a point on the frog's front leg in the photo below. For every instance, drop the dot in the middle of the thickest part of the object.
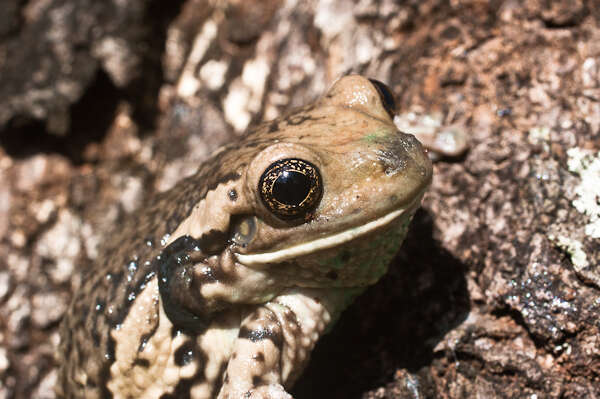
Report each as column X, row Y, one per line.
column 275, row 341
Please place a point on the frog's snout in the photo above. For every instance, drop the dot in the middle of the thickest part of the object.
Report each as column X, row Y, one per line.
column 402, row 153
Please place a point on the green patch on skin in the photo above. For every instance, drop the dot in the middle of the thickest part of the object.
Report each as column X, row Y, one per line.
column 338, row 261
column 369, row 260
column 375, row 136
column 386, row 245
column 370, row 138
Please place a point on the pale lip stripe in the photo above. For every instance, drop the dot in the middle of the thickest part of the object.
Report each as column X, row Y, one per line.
column 322, row 243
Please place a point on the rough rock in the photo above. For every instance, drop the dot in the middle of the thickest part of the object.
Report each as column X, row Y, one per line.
column 496, row 291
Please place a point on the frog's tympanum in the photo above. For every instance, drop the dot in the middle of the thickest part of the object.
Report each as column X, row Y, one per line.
column 221, row 286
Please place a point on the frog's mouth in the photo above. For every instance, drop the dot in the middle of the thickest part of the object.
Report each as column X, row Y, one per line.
column 328, row 242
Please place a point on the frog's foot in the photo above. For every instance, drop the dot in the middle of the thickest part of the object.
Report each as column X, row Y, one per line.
column 270, row 391
column 274, row 343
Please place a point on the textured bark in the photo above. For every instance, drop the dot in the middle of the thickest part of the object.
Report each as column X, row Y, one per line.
column 103, row 103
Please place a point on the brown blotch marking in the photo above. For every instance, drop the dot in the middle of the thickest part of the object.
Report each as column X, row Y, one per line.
column 184, row 386
column 273, row 126
column 185, row 354
column 257, row 381
column 345, row 256
column 253, row 144
column 290, row 316
column 95, row 332
column 146, row 337
column 115, row 279
column 105, row 371
column 295, row 120
column 141, row 362
column 209, row 275
column 292, row 322
column 272, row 333
column 213, row 242
column 259, row 357
column 175, row 331
column 90, row 382
column 219, row 381
column 332, row 275
column 153, row 221
column 232, row 195
column 232, row 176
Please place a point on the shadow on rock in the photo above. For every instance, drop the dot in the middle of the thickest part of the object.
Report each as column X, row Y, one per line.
column 394, row 325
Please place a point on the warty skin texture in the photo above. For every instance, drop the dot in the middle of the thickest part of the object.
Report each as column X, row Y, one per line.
column 205, row 292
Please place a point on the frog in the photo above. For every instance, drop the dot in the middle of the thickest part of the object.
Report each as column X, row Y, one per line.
column 221, row 286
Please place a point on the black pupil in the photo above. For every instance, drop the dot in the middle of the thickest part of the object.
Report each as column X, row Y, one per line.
column 291, row 187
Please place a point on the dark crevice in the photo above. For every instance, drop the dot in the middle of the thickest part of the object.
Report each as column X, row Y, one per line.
column 12, row 18
column 539, row 341
column 143, row 92
column 89, row 120
column 395, row 324
column 569, row 24
column 91, row 116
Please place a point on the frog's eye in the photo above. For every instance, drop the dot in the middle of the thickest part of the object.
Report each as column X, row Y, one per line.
column 290, row 188
column 386, row 96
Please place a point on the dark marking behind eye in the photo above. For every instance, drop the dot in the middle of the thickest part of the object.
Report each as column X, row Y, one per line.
column 233, row 176
column 213, row 242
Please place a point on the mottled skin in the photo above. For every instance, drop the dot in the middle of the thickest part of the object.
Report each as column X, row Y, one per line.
column 185, row 301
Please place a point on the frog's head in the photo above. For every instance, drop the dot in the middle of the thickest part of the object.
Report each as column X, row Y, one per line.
column 324, row 195
column 336, row 191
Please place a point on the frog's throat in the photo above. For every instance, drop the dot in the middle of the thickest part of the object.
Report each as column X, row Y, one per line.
column 326, row 242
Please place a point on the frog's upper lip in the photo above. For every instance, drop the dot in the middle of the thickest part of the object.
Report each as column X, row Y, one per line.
column 326, row 242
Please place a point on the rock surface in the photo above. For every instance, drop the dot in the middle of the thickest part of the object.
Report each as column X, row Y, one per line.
column 496, row 292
